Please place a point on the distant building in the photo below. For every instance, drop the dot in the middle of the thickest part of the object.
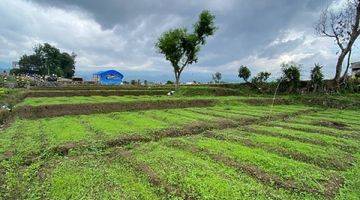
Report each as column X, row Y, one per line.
column 15, row 65
column 355, row 68
column 109, row 77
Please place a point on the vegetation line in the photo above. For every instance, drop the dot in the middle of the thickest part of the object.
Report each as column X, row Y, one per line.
column 313, row 130
column 251, row 170
column 191, row 129
column 324, row 163
column 153, row 177
column 345, row 148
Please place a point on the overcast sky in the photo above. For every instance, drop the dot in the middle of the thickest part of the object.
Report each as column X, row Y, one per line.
column 121, row 34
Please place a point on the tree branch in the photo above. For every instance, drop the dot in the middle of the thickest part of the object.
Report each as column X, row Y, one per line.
column 336, row 36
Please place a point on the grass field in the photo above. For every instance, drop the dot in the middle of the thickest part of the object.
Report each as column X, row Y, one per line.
column 233, row 150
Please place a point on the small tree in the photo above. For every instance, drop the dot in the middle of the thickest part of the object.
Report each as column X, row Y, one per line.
column 181, row 48
column 260, row 78
column 217, row 77
column 316, row 77
column 244, row 73
column 291, row 74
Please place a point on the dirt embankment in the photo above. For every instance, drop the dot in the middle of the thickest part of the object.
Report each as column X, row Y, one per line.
column 70, row 93
column 102, row 87
column 267, row 101
column 80, row 109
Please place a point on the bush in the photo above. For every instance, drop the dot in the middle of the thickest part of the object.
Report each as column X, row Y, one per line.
column 316, row 77
column 259, row 81
column 261, row 78
column 169, row 83
column 291, row 74
column 357, row 75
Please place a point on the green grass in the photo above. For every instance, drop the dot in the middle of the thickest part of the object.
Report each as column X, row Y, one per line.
column 23, row 137
column 314, row 127
column 64, row 129
column 287, row 169
column 351, row 187
column 327, row 157
column 201, row 178
column 97, row 177
column 31, row 169
column 346, row 144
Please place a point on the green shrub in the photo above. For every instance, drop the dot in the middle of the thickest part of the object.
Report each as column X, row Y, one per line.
column 291, row 74
column 244, row 73
column 316, row 77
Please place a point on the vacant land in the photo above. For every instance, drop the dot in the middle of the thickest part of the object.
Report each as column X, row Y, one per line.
column 234, row 148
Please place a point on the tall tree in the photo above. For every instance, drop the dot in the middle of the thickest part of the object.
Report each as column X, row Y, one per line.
column 48, row 60
column 244, row 73
column 181, row 48
column 343, row 26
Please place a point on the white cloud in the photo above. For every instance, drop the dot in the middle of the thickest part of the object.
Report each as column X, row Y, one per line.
column 125, row 46
column 311, row 49
column 125, row 40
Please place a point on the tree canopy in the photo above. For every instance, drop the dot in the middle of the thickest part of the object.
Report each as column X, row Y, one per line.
column 47, row 60
column 244, row 73
column 181, row 47
column 291, row 74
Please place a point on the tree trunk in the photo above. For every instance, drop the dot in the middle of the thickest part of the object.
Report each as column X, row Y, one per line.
column 347, row 67
column 177, row 80
column 339, row 66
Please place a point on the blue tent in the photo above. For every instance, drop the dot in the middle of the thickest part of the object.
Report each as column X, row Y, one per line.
column 109, row 77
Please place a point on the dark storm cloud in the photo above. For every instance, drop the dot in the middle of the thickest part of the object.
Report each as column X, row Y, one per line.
column 258, row 33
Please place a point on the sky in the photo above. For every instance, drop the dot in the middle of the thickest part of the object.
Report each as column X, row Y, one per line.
column 120, row 34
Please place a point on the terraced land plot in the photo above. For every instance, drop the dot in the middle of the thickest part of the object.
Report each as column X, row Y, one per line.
column 227, row 151
column 40, row 101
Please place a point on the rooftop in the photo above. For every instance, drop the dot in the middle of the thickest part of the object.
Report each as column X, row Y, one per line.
column 355, row 65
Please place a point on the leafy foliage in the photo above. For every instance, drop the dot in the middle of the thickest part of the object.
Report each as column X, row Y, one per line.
column 316, row 76
column 261, row 78
column 291, row 74
column 47, row 60
column 244, row 73
column 357, row 75
column 181, row 48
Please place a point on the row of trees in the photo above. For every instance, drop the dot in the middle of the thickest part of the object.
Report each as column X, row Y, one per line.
column 342, row 25
column 47, row 60
column 290, row 75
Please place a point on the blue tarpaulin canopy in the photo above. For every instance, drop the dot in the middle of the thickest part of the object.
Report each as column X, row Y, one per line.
column 109, row 77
